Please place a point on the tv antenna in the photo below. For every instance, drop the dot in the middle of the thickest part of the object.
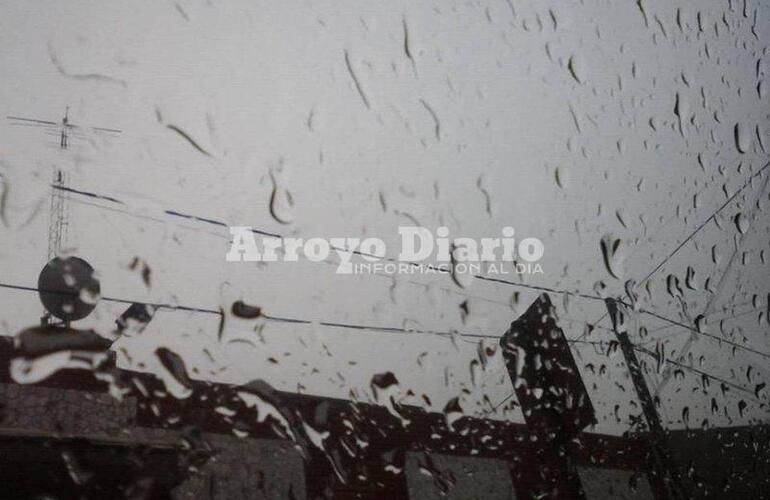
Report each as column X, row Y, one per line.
column 59, row 216
column 68, row 288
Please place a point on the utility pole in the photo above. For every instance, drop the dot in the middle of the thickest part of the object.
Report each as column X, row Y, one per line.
column 662, row 462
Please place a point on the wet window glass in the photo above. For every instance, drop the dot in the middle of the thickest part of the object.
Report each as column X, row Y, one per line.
column 468, row 249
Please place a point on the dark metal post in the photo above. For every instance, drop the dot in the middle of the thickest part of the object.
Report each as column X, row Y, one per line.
column 664, row 466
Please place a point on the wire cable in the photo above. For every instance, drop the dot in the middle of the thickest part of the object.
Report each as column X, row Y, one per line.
column 698, row 332
column 703, row 224
column 289, row 320
column 735, row 386
column 438, row 269
column 694, row 232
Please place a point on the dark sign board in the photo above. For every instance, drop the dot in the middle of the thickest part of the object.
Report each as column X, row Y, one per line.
column 545, row 377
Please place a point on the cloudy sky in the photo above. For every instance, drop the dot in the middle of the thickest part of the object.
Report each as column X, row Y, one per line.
column 572, row 122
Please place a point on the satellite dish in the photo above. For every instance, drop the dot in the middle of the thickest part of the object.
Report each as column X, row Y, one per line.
column 68, row 288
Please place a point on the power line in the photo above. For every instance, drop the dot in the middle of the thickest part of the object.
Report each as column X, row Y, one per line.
column 218, row 223
column 438, row 269
column 680, row 365
column 278, row 319
column 289, row 320
column 207, row 220
column 286, row 319
column 698, row 332
column 704, row 223
column 218, row 235
column 334, row 324
column 719, row 288
column 693, row 233
column 695, row 331
column 173, row 307
column 673, row 216
column 537, row 288
column 578, row 340
column 706, row 374
column 700, row 372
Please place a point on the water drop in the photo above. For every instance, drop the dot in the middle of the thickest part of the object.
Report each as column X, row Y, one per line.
column 611, row 253
column 281, row 202
column 174, row 373
column 742, row 137
column 576, row 69
column 741, row 222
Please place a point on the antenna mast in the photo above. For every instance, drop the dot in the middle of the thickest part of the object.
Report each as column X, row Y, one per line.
column 57, row 227
column 59, row 221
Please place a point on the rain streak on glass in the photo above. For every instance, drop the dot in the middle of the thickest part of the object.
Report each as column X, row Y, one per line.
column 583, row 311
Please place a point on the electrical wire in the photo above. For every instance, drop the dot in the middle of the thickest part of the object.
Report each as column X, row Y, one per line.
column 289, row 320
column 675, row 363
column 694, row 232
column 703, row 224
column 681, row 245
column 208, row 220
column 438, row 269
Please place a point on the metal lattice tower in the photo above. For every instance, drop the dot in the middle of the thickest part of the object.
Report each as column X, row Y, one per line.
column 59, row 213
column 57, row 227
column 59, row 220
